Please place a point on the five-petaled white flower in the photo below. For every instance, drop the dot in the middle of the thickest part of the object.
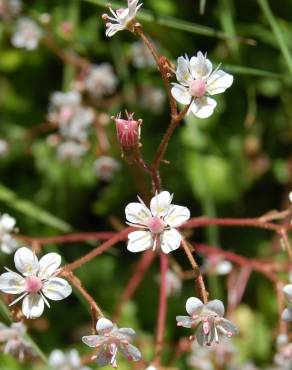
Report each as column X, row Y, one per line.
column 7, row 226
column 27, row 34
column 109, row 340
column 15, row 342
column 36, row 282
column 197, row 82
column 66, row 361
column 123, row 18
column 207, row 319
column 158, row 223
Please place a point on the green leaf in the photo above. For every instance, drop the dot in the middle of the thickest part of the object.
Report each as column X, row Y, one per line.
column 264, row 5
column 29, row 209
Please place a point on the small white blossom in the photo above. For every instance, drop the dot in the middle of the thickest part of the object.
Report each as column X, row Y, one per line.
column 153, row 98
column 197, row 82
column 158, row 224
column 7, row 226
column 105, row 167
column 77, row 127
column 36, row 282
column 71, row 150
column 66, row 361
column 141, row 55
column 4, row 147
column 207, row 320
column 121, row 19
column 215, row 264
column 173, row 283
column 109, row 340
column 15, row 341
column 27, row 34
column 283, row 358
column 287, row 313
column 100, row 80
column 10, row 8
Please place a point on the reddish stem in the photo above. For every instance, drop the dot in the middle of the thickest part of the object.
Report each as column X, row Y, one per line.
column 141, row 268
column 162, row 308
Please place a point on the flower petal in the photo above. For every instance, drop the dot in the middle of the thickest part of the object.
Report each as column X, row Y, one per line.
column 12, row 283
column 26, row 261
column 181, row 94
column 201, row 67
column 204, row 339
column 228, row 326
column 194, row 305
column 57, row 358
column 183, row 73
column 103, row 358
column 129, row 332
column 203, row 107
column 130, row 352
column 33, row 306
column 217, row 306
column 137, row 213
column 170, row 240
column 218, row 82
column 287, row 314
column 56, row 289
column 177, row 215
column 223, row 267
column 288, row 291
column 185, row 321
column 7, row 222
column 159, row 205
column 139, row 241
column 104, row 325
column 93, row 340
column 48, row 265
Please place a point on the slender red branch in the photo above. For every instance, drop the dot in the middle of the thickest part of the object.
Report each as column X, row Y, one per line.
column 141, row 268
column 162, row 308
column 98, row 250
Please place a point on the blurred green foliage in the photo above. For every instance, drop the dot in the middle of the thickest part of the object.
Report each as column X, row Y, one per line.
column 236, row 163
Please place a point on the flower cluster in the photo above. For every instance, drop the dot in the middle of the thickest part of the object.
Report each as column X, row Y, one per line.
column 10, row 8
column 109, row 341
column 73, row 120
column 27, row 34
column 35, row 282
column 66, row 361
column 207, row 320
column 14, row 340
column 157, row 225
column 7, row 227
column 197, row 81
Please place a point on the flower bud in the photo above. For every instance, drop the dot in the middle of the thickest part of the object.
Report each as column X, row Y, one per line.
column 128, row 131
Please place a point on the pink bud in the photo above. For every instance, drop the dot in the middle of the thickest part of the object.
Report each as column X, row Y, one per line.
column 128, row 131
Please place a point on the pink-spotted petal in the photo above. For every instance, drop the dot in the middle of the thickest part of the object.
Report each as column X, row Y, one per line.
column 218, row 82
column 26, row 261
column 48, row 265
column 33, row 306
column 130, row 352
column 12, row 283
column 139, row 241
column 56, row 289
column 170, row 240
column 159, row 205
column 137, row 213
column 177, row 216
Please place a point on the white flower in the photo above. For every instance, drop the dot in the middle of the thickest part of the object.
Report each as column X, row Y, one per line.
column 4, row 147
column 122, row 18
column 152, row 98
column 214, row 264
column 207, row 319
column 109, row 340
column 27, row 35
column 77, row 127
column 141, row 55
column 66, row 361
column 158, row 224
column 72, row 150
column 14, row 339
column 7, row 226
column 173, row 283
column 105, row 167
column 197, row 82
column 287, row 313
column 9, row 8
column 36, row 281
column 63, row 106
column 101, row 80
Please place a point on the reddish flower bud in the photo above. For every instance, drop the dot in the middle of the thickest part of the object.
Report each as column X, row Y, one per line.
column 128, row 130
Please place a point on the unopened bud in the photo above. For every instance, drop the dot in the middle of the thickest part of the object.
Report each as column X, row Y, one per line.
column 128, row 131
